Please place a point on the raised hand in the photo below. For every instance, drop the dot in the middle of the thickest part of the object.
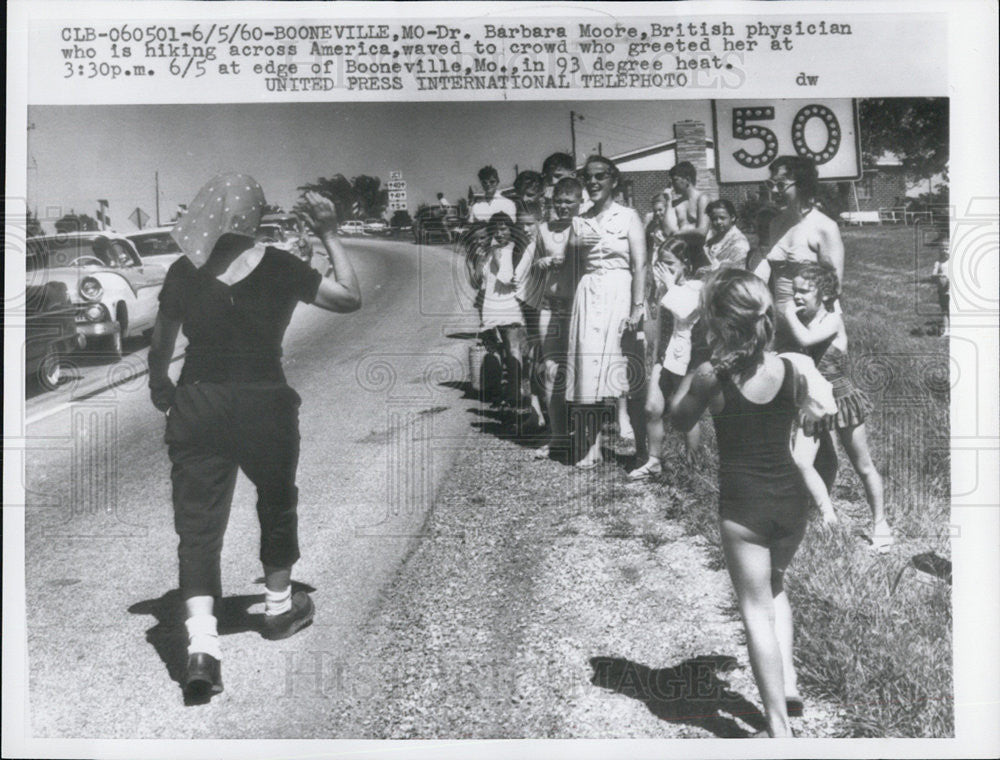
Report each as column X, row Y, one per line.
column 319, row 213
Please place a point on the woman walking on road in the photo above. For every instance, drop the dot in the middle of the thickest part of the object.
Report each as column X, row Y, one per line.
column 232, row 408
column 610, row 299
column 754, row 397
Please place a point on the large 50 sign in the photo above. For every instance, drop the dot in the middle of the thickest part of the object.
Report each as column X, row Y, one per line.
column 750, row 134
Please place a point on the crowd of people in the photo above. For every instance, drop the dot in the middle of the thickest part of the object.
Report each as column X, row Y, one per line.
column 568, row 280
column 572, row 283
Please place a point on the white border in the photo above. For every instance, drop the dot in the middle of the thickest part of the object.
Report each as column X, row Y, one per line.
column 972, row 77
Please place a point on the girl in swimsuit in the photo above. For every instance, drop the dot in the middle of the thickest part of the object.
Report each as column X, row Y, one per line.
column 754, row 397
column 820, row 332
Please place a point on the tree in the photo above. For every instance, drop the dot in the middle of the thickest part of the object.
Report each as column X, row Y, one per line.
column 369, row 195
column 914, row 129
column 76, row 223
column 400, row 218
column 337, row 189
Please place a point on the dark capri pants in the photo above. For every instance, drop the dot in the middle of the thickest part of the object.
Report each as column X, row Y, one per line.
column 213, row 429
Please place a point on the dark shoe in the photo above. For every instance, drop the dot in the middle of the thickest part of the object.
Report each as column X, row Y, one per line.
column 288, row 623
column 203, row 676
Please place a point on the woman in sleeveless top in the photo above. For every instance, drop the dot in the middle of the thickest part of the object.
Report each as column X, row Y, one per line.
column 232, row 408
column 754, row 397
column 804, row 234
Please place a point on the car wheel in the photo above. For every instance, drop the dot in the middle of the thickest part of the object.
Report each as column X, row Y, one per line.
column 50, row 371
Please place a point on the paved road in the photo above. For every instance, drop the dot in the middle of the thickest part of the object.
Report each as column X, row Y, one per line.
column 382, row 418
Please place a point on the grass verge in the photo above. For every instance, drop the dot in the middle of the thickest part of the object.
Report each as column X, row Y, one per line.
column 873, row 633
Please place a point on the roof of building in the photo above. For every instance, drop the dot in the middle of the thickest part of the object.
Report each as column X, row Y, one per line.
column 658, row 157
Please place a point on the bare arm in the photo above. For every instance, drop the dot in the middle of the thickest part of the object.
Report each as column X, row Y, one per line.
column 807, row 336
column 339, row 290
column 702, row 220
column 637, row 258
column 670, row 224
column 693, row 397
column 831, row 249
column 161, row 351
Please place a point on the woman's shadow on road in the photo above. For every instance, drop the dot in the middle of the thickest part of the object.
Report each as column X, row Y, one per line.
column 169, row 635
column 690, row 692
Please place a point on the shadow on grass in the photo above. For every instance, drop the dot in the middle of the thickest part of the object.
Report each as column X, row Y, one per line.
column 169, row 635
column 690, row 692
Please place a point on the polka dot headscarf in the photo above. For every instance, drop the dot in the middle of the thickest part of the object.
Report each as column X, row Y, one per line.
column 230, row 203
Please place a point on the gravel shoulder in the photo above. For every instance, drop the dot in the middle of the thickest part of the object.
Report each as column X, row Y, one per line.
column 546, row 602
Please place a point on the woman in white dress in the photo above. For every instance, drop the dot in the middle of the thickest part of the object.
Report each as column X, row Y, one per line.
column 610, row 242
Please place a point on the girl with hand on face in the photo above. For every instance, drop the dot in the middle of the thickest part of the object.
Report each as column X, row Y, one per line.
column 610, row 242
column 677, row 272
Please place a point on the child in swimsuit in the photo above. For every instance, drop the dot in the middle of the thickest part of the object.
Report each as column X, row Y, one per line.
column 754, row 397
column 819, row 330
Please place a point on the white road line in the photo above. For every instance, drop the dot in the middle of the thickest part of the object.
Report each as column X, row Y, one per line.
column 39, row 416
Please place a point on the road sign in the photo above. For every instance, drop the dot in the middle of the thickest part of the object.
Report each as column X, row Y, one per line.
column 396, row 184
column 395, row 175
column 750, row 134
column 397, row 205
column 397, row 195
column 139, row 217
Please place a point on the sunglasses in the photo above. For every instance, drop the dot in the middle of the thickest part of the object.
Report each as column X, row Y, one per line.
column 597, row 177
column 779, row 186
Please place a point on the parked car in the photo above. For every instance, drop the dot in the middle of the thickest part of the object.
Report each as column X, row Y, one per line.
column 273, row 235
column 296, row 235
column 352, row 227
column 50, row 332
column 156, row 246
column 376, row 227
column 116, row 295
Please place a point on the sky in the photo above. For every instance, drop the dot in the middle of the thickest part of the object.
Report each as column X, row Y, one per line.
column 78, row 154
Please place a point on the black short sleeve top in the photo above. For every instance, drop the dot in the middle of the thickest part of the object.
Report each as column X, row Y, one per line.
column 235, row 331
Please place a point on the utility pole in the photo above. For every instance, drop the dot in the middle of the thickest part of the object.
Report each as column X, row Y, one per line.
column 157, row 175
column 600, row 151
column 573, row 118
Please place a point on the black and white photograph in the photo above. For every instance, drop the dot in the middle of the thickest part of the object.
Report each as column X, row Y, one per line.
column 472, row 377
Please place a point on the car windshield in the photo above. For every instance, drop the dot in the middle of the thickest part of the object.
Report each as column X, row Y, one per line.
column 269, row 233
column 155, row 244
column 49, row 253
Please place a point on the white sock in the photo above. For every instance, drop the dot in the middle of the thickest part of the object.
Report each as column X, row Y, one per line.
column 203, row 636
column 277, row 602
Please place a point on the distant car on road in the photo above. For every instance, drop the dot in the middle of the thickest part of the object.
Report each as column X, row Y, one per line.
column 273, row 235
column 115, row 294
column 49, row 332
column 295, row 233
column 353, row 227
column 376, row 227
column 156, row 246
